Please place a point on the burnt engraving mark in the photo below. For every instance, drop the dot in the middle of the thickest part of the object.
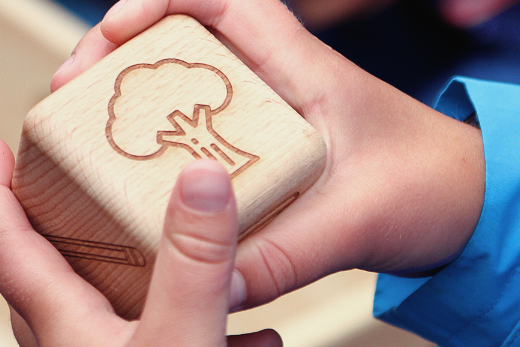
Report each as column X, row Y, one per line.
column 104, row 252
column 148, row 113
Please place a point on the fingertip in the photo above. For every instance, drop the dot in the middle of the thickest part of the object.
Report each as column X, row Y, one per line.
column 127, row 19
column 116, row 8
column 205, row 186
column 263, row 338
column 110, row 25
column 202, row 207
column 61, row 76
column 107, row 29
column 21, row 331
column 6, row 164
column 5, row 150
column 238, row 291
column 270, row 338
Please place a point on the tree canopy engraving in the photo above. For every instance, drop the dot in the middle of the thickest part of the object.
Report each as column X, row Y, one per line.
column 171, row 104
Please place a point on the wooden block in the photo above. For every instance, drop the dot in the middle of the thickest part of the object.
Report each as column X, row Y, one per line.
column 99, row 157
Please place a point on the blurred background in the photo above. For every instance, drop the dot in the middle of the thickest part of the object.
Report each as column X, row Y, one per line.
column 406, row 44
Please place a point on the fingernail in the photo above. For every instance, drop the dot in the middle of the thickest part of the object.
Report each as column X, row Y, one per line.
column 205, row 186
column 65, row 65
column 238, row 291
column 114, row 9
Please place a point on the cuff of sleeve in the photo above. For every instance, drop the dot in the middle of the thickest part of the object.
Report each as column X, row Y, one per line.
column 473, row 301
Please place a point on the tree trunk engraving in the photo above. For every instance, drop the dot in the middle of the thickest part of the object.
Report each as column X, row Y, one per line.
column 202, row 141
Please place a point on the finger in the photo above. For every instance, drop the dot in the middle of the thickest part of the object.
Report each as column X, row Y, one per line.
column 264, row 338
column 6, row 165
column 188, row 300
column 282, row 53
column 301, row 245
column 92, row 47
column 472, row 12
column 39, row 283
column 23, row 334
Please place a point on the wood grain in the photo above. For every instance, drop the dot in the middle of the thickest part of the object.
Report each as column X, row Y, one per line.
column 99, row 157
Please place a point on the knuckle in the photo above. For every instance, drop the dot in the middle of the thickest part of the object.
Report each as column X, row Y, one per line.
column 279, row 265
column 202, row 249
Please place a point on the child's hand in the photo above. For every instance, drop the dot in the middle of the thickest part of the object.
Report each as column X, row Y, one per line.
column 190, row 290
column 403, row 185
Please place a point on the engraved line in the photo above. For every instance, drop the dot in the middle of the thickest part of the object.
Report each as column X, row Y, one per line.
column 97, row 258
column 90, row 249
column 117, row 95
column 252, row 158
column 85, row 243
column 222, row 154
column 130, row 257
column 134, row 258
column 94, row 256
column 269, row 217
column 193, row 121
column 208, row 153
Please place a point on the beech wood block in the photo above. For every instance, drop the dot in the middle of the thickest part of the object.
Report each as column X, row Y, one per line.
column 99, row 157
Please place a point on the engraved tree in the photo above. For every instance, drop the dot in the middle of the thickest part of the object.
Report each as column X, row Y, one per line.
column 150, row 109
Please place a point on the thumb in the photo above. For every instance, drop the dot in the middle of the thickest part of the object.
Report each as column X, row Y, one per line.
column 468, row 13
column 191, row 283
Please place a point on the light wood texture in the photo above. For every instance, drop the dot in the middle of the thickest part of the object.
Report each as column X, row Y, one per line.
column 99, row 157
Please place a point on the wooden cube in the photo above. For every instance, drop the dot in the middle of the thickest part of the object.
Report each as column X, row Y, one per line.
column 99, row 157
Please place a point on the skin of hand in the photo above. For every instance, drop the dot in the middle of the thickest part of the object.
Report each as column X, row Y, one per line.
column 321, row 14
column 403, row 186
column 190, row 290
column 466, row 13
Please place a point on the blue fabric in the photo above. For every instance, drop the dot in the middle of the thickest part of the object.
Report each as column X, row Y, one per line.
column 474, row 301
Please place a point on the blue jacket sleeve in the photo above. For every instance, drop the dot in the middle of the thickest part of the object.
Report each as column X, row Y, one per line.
column 475, row 300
